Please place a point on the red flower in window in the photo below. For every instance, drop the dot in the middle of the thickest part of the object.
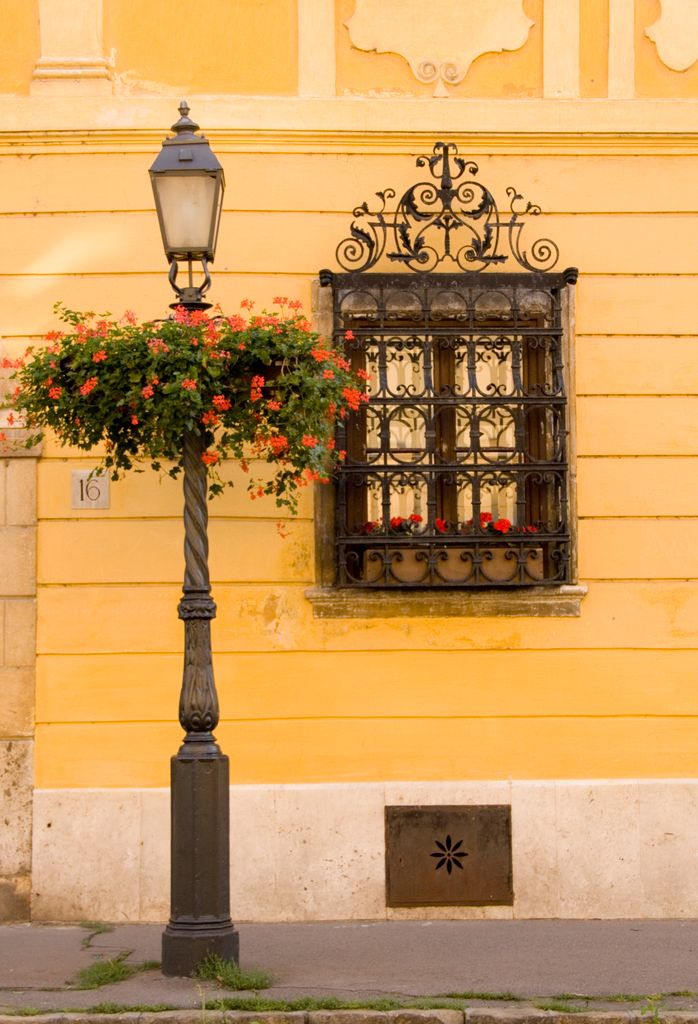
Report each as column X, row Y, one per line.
column 502, row 526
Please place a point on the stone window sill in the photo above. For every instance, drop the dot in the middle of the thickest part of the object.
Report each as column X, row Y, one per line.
column 536, row 602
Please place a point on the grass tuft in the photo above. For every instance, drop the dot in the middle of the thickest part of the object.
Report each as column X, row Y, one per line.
column 620, row 997
column 559, row 1007
column 149, row 965
column 97, row 927
column 125, row 1008
column 94, row 928
column 230, row 975
column 106, row 972
column 489, row 997
column 259, row 1004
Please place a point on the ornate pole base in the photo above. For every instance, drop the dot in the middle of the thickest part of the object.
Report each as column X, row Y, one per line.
column 200, row 923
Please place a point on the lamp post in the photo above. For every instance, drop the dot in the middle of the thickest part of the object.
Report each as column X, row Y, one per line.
column 188, row 185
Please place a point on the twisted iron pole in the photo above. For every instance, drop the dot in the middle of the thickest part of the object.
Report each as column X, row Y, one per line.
column 198, row 702
column 200, row 921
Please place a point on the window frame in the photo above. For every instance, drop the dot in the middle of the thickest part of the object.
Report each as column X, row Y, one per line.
column 331, row 599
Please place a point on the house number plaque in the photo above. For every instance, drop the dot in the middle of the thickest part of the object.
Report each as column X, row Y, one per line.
column 89, row 489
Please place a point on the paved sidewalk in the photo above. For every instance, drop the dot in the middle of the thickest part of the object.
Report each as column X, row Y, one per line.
column 533, row 960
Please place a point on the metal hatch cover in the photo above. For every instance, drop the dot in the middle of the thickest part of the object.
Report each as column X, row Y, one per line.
column 448, row 856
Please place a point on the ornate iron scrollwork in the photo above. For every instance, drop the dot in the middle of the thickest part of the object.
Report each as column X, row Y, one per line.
column 447, row 219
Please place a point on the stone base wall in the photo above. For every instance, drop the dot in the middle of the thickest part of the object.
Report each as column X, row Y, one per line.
column 581, row 849
column 17, row 675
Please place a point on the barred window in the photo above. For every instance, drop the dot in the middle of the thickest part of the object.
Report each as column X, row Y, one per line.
column 456, row 469
column 456, row 474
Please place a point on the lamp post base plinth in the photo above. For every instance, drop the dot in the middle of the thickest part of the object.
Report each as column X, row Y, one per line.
column 183, row 949
column 200, row 885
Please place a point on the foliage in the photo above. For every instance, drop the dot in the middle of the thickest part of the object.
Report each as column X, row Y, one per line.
column 95, row 928
column 260, row 1004
column 104, row 972
column 558, row 1007
column 408, row 525
column 230, row 975
column 253, row 387
column 108, row 971
column 412, row 526
column 506, row 997
column 495, row 527
column 451, row 1000
column 111, row 1007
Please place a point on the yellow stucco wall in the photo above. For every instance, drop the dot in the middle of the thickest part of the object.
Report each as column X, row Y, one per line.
column 19, row 44
column 593, row 48
column 609, row 694
column 246, row 46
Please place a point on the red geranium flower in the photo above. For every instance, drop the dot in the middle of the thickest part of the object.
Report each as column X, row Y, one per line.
column 502, row 526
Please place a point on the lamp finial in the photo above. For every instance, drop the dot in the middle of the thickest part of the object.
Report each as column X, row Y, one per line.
column 185, row 123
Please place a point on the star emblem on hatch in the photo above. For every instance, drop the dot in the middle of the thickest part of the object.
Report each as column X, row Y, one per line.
column 448, row 853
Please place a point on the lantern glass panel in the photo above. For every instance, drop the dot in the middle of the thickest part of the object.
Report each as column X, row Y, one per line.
column 217, row 220
column 189, row 208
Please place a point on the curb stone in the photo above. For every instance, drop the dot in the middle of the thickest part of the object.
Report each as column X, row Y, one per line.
column 404, row 1016
column 523, row 1015
column 527, row 1015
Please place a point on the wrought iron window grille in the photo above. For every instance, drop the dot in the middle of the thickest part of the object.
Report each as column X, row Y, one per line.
column 456, row 470
column 447, row 219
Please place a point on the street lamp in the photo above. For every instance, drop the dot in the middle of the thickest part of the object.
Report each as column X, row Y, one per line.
column 188, row 185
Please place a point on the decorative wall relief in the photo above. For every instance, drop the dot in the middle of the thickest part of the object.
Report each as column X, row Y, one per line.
column 439, row 39
column 675, row 34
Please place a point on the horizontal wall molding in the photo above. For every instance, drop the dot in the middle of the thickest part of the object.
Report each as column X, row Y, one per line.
column 384, row 142
column 396, row 125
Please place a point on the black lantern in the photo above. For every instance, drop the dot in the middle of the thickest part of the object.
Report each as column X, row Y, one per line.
column 188, row 185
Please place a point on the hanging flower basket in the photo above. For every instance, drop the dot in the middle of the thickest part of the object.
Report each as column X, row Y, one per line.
column 252, row 387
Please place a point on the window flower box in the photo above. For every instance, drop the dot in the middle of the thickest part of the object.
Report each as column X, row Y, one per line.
column 453, row 565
